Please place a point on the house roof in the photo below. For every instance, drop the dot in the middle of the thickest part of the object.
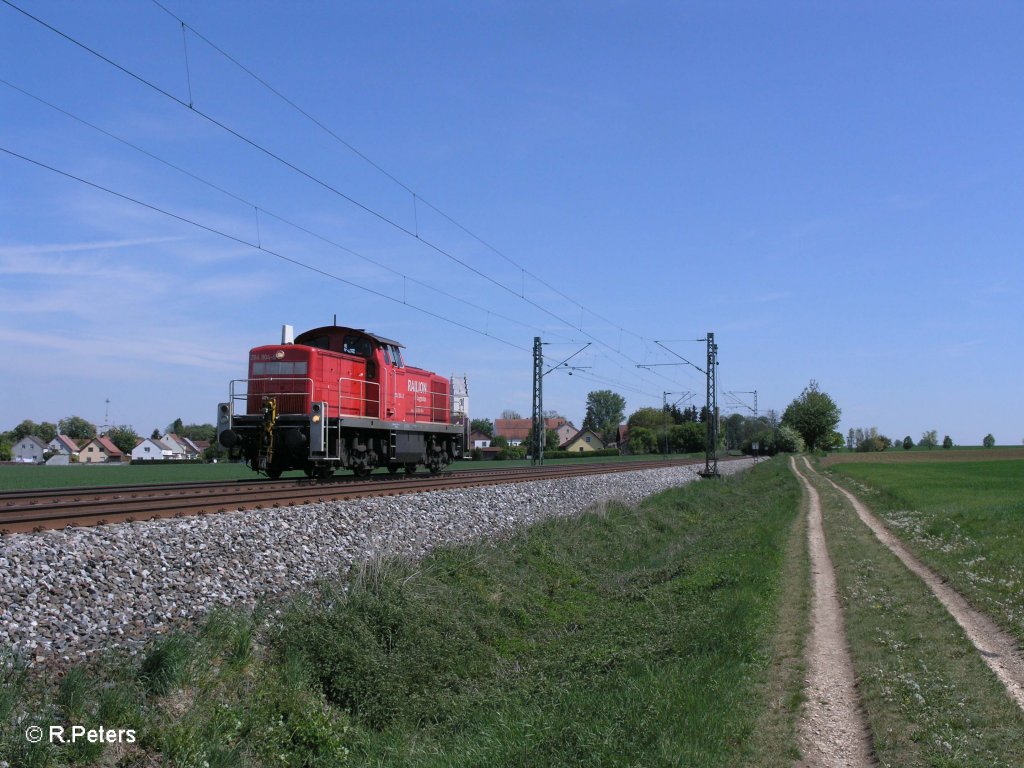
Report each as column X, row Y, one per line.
column 579, row 435
column 108, row 446
column 519, row 429
column 34, row 439
column 67, row 442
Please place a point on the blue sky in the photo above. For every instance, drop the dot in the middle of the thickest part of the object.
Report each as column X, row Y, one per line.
column 834, row 189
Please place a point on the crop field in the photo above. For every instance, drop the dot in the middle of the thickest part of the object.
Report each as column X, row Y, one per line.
column 936, row 455
column 962, row 517
column 27, row 476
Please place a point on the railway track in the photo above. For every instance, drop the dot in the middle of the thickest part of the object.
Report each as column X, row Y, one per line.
column 33, row 511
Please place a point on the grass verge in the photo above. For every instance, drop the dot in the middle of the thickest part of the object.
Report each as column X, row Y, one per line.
column 929, row 698
column 628, row 636
column 962, row 519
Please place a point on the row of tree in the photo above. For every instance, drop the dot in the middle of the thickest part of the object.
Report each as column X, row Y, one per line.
column 809, row 422
column 870, row 440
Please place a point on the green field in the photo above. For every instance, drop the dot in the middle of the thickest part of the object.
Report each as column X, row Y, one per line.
column 29, row 476
column 963, row 518
column 643, row 636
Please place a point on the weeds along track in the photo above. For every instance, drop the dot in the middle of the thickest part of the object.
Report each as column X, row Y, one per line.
column 26, row 511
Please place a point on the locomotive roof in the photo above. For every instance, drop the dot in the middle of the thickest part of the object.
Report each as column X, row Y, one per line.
column 334, row 329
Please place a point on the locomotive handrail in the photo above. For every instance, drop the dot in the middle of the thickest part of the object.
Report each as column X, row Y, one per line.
column 364, row 401
column 306, row 393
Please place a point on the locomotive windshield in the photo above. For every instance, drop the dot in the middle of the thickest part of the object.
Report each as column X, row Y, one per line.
column 357, row 345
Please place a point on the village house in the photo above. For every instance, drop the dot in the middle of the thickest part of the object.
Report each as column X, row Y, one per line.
column 584, row 440
column 151, row 449
column 517, row 430
column 29, row 450
column 100, row 450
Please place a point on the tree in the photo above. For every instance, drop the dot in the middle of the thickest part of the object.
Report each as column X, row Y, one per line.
column 550, row 439
column 907, row 443
column 123, row 436
column 605, row 410
column 849, row 439
column 814, row 415
column 23, row 430
column 500, row 442
column 929, row 439
column 484, row 426
column 155, row 435
column 690, row 437
column 46, row 431
column 651, row 418
column 788, row 440
column 510, row 413
column 947, row 442
column 642, row 440
column 175, row 427
column 988, row 441
column 206, row 432
column 77, row 428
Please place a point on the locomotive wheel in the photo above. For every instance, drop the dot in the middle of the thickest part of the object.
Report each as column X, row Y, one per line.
column 324, row 473
column 392, row 469
column 362, row 471
column 273, row 472
column 410, row 468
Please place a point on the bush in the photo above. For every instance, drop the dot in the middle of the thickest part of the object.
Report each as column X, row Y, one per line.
column 581, row 454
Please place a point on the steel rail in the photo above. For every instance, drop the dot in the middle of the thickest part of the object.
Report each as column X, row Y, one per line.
column 25, row 511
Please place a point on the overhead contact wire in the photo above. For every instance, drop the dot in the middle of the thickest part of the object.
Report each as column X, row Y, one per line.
column 248, row 244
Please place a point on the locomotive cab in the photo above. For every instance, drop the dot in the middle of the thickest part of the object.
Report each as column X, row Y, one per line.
column 340, row 397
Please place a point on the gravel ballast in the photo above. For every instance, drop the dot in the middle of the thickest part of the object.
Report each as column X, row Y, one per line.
column 72, row 593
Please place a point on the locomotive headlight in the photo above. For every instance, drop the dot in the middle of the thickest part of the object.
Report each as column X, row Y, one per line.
column 316, row 418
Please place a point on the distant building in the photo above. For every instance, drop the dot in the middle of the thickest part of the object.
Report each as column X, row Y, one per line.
column 584, row 440
column 150, row 449
column 62, row 445
column 29, row 450
column 517, row 430
column 100, row 450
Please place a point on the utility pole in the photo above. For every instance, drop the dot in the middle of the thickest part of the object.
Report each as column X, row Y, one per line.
column 539, row 433
column 711, row 447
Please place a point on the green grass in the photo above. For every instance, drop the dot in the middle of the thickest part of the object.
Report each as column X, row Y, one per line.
column 32, row 476
column 927, row 694
column 629, row 636
column 964, row 519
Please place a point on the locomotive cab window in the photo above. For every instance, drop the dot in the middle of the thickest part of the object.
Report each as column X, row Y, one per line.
column 319, row 342
column 392, row 355
column 357, row 345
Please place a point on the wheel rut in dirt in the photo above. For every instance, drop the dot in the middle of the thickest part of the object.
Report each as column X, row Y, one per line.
column 833, row 731
column 998, row 649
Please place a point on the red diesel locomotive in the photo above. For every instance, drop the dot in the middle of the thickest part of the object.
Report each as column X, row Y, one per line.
column 341, row 398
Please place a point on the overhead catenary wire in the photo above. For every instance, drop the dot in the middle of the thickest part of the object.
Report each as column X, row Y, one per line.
column 287, row 163
column 416, row 196
column 255, row 246
column 266, row 212
column 414, row 233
